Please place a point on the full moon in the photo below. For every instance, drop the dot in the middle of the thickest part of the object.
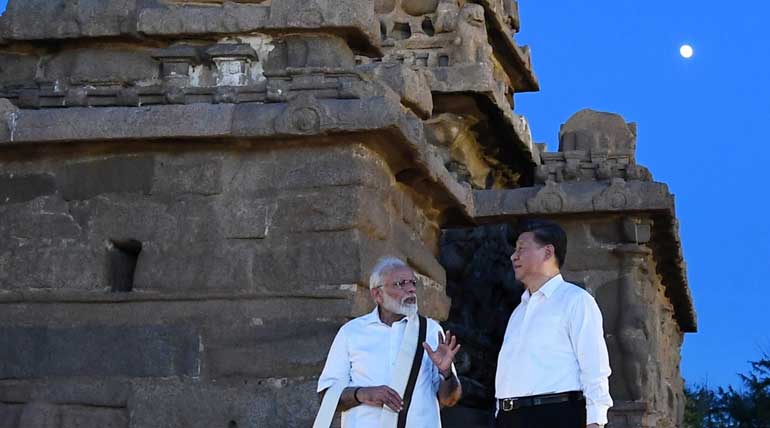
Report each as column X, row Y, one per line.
column 686, row 51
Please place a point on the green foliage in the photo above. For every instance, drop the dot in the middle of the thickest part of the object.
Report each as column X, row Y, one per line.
column 730, row 408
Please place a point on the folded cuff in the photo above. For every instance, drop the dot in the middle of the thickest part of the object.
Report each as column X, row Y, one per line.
column 596, row 415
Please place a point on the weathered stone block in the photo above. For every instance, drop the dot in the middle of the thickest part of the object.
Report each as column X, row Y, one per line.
column 101, row 393
column 412, row 85
column 121, row 123
column 17, row 69
column 312, row 167
column 241, row 218
column 51, row 19
column 89, row 416
column 24, row 187
column 205, row 265
column 194, row 19
column 39, row 415
column 60, row 264
column 93, row 66
column 143, row 351
column 10, row 414
column 333, row 208
column 309, row 51
column 123, row 217
column 188, row 173
column 84, row 180
column 196, row 405
column 311, row 259
column 283, row 348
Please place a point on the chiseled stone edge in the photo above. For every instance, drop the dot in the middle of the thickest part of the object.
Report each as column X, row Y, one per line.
column 617, row 196
column 355, row 20
column 304, row 116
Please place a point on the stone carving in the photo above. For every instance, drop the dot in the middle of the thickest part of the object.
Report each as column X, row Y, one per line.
column 304, row 115
column 550, row 199
column 419, row 7
column 614, row 197
column 471, row 36
column 633, row 334
column 233, row 63
column 594, row 146
column 447, row 13
column 512, row 12
column 459, row 148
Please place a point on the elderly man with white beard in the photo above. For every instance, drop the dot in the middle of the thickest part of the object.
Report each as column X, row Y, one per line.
column 370, row 371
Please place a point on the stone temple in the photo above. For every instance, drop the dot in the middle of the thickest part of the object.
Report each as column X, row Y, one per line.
column 192, row 194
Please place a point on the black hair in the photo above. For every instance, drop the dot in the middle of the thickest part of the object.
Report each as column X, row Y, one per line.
column 547, row 233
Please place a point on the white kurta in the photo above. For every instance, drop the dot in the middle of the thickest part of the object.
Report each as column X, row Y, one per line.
column 364, row 353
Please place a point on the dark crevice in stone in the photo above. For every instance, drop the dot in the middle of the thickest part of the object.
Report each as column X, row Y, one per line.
column 123, row 257
column 401, row 31
column 427, row 27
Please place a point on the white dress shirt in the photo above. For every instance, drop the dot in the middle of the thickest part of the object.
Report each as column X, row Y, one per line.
column 554, row 343
column 364, row 353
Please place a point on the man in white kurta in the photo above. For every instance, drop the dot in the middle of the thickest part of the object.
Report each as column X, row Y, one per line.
column 364, row 356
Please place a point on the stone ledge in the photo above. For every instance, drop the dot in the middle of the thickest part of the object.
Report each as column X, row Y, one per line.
column 138, row 351
column 572, row 198
column 39, row 20
column 302, row 117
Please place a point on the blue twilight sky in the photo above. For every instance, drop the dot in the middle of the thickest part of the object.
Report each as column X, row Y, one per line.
column 702, row 129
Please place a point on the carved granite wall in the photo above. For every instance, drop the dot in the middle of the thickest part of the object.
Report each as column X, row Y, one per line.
column 192, row 197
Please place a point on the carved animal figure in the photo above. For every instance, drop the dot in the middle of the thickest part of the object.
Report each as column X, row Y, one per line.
column 471, row 42
column 446, row 16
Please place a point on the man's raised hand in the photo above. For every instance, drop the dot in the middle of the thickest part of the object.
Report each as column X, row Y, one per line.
column 445, row 353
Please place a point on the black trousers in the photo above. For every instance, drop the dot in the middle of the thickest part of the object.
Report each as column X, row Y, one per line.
column 571, row 414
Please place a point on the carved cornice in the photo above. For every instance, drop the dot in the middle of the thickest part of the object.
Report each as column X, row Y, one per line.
column 635, row 198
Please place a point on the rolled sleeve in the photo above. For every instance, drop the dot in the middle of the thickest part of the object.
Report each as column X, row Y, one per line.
column 337, row 367
column 588, row 344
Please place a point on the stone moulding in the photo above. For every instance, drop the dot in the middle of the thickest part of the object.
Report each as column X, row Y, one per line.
column 40, row 20
column 575, row 198
column 303, row 117
column 638, row 198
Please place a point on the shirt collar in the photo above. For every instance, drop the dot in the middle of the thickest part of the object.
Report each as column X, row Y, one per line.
column 373, row 317
column 547, row 289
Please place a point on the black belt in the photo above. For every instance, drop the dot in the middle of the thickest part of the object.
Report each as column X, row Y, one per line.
column 509, row 404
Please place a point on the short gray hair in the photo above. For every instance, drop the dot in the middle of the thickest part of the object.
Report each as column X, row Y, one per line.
column 383, row 267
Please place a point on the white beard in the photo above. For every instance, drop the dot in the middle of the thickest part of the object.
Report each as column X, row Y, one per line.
column 401, row 308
